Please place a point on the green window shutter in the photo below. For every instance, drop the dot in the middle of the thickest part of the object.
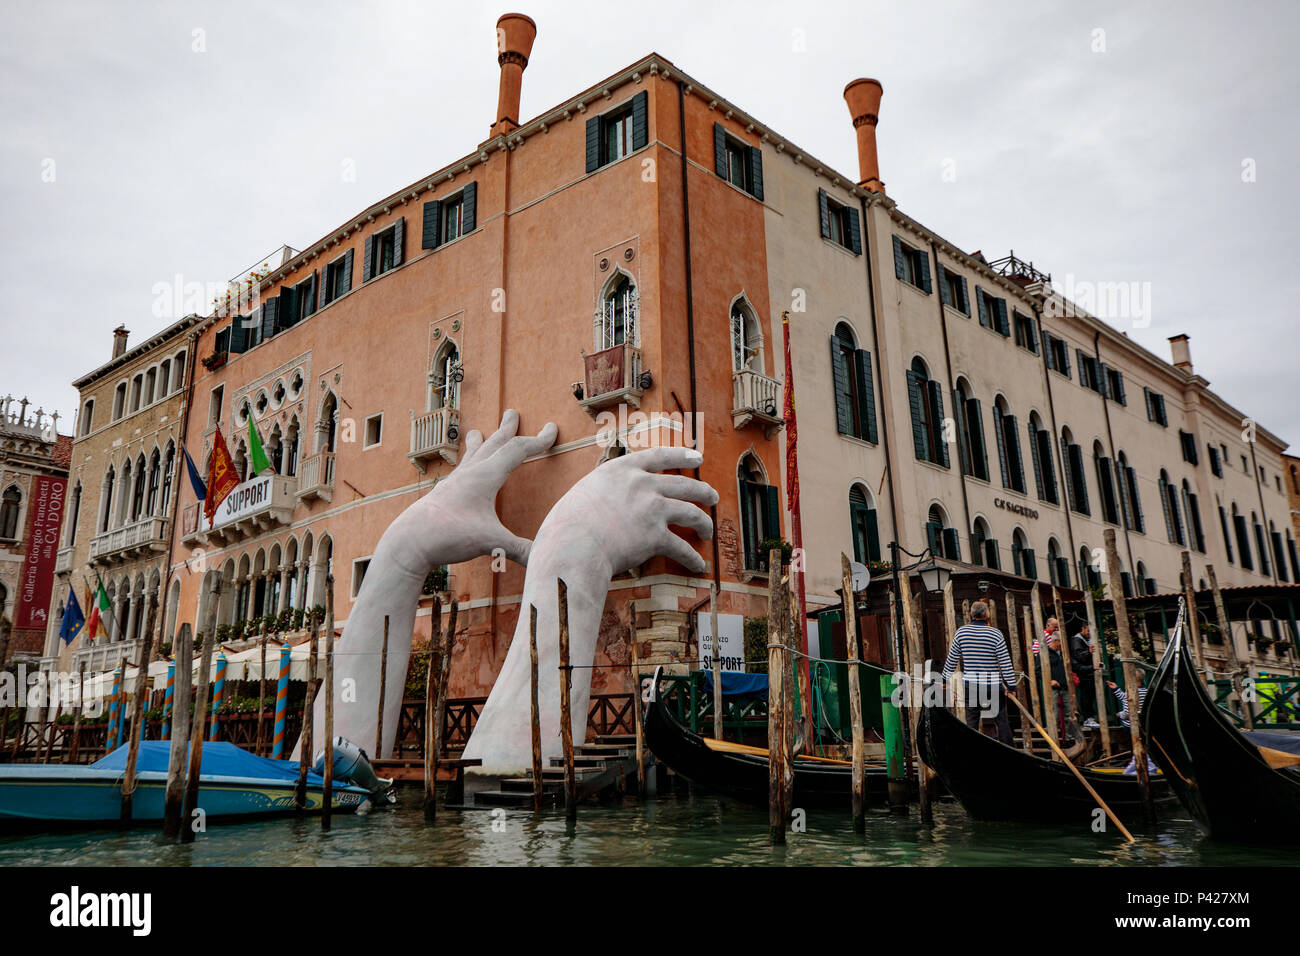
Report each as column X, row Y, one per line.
column 855, row 231
column 936, row 419
column 313, row 293
column 976, row 547
column 1164, row 502
column 748, row 530
column 991, row 557
column 934, row 537
column 1065, row 358
column 271, row 308
column 1049, row 468
column 239, row 333
column 945, row 294
column 1080, row 479
column 979, row 447
column 1048, row 355
column 719, row 150
column 593, row 144
column 981, row 300
column 771, row 511
column 963, row 433
column 964, row 304
column 951, row 544
column 1004, row 326
column 368, row 260
column 1000, row 433
column 1135, row 499
column 843, row 387
column 1038, row 465
column 1017, row 465
column 900, row 260
column 1227, row 537
column 430, row 238
column 399, row 241
column 346, row 284
column 873, row 536
column 915, row 400
column 640, row 120
column 824, row 213
column 756, row 172
column 1028, row 566
column 923, row 258
column 866, row 396
column 1146, row 395
column 469, row 209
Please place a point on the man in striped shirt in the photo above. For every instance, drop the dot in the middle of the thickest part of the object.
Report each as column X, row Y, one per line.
column 980, row 650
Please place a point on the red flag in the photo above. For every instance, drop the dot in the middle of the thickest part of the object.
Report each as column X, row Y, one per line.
column 222, row 477
column 791, row 426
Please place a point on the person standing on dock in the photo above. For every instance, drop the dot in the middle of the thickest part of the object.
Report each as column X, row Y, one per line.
column 980, row 650
column 1057, row 672
column 1081, row 662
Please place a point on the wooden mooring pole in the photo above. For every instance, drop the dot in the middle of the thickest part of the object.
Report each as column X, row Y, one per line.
column 432, row 671
column 535, row 707
column 566, row 721
column 327, row 786
column 200, row 718
column 1098, row 676
column 859, row 769
column 1044, row 675
column 717, row 660
column 444, row 681
column 137, row 711
column 638, row 717
column 1193, row 618
column 1115, row 590
column 383, row 687
column 305, row 735
column 916, row 664
column 778, row 611
column 1230, row 639
column 183, row 648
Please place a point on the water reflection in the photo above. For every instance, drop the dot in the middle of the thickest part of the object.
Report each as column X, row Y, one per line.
column 671, row 831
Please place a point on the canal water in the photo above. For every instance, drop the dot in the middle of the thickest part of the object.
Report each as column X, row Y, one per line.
column 669, row 831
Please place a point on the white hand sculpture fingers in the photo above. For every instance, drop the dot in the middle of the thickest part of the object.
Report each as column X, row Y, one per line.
column 473, row 441
column 673, row 547
column 686, row 515
column 507, row 430
column 515, row 547
column 684, row 489
column 660, row 459
column 517, row 450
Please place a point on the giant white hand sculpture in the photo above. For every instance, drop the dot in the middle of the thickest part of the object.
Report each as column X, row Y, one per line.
column 615, row 518
column 454, row 522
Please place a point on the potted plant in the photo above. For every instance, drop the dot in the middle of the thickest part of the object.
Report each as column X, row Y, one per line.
column 768, row 545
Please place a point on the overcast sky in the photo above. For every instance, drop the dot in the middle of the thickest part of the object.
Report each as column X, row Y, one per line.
column 1107, row 142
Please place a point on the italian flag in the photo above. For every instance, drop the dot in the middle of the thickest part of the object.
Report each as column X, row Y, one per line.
column 99, row 611
column 257, row 460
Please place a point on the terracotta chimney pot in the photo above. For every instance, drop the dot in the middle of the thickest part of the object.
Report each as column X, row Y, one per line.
column 863, row 97
column 515, row 36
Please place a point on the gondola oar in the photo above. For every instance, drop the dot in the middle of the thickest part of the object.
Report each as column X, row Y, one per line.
column 1073, row 769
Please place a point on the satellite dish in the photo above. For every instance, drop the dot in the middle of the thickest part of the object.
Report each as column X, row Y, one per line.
column 860, row 576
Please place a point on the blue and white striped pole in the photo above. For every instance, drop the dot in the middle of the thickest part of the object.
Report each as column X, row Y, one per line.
column 169, row 700
column 218, row 694
column 114, row 714
column 282, row 703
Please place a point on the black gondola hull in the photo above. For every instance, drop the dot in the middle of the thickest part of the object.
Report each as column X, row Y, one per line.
column 1218, row 774
column 744, row 777
column 995, row 782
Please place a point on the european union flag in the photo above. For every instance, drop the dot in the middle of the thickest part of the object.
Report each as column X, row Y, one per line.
column 73, row 619
column 200, row 489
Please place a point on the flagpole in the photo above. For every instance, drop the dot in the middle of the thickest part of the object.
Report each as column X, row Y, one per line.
column 796, row 524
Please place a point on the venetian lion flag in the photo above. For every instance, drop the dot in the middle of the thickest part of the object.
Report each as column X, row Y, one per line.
column 222, row 477
column 791, row 426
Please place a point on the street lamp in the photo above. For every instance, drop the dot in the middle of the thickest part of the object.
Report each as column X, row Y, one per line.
column 934, row 576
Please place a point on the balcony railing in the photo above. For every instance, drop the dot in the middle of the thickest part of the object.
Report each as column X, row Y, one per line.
column 435, row 434
column 613, row 376
column 251, row 508
column 756, row 398
column 130, row 541
column 63, row 563
column 316, row 477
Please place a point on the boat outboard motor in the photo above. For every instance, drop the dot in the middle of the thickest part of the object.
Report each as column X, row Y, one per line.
column 351, row 765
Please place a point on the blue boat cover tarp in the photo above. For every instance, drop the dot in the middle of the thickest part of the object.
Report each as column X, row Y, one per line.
column 1287, row 743
column 219, row 760
column 736, row 684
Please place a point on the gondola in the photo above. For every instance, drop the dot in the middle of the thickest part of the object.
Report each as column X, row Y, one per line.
column 1236, row 785
column 995, row 782
column 741, row 772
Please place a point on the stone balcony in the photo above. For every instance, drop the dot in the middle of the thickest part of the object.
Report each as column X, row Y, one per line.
column 435, row 434
column 613, row 377
column 253, row 507
column 138, row 539
column 316, row 477
column 756, row 398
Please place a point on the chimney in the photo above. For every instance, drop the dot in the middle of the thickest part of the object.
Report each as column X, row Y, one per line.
column 863, row 97
column 515, row 35
column 119, row 340
column 1182, row 352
